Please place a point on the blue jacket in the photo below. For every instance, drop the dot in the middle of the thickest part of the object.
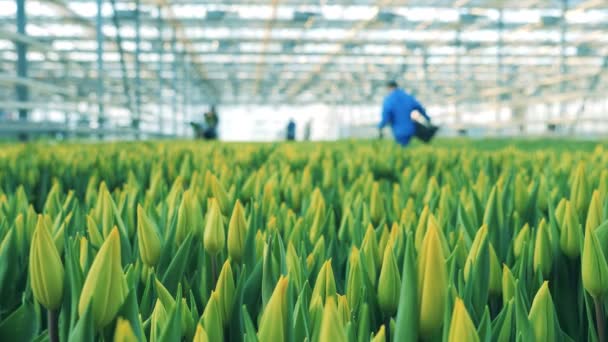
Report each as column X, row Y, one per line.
column 396, row 112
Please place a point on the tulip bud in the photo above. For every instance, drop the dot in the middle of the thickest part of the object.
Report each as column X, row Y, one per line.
column 520, row 240
column 432, row 283
column 461, row 326
column 594, row 267
column 212, row 318
column 370, row 246
column 273, row 321
column 294, row 267
column 543, row 251
column 105, row 287
column 157, row 321
column 148, row 239
column 226, row 291
column 332, row 328
column 380, row 335
column 594, row 216
column 389, row 284
column 214, row 229
column 560, row 210
column 421, row 227
column 84, row 253
column 571, row 236
column 579, row 192
column 189, row 217
column 259, row 244
column 220, row 195
column 94, row 235
column 495, row 273
column 521, row 194
column 124, row 332
column 343, row 309
column 200, row 335
column 480, row 239
column 508, row 284
column 542, row 315
column 376, row 205
column 237, row 232
column 45, row 268
column 354, row 279
column 325, row 285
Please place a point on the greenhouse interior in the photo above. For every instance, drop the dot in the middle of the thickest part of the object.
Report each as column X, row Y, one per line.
column 304, row 170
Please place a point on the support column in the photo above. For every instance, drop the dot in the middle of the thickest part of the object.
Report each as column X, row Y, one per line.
column 161, row 54
column 136, row 121
column 186, row 90
column 174, row 81
column 563, row 67
column 101, row 119
column 499, row 63
column 22, row 63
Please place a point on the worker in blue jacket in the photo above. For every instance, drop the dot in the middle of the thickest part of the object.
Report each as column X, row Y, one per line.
column 396, row 112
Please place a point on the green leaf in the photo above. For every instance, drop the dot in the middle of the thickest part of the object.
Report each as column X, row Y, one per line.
column 407, row 311
column 21, row 325
column 177, row 267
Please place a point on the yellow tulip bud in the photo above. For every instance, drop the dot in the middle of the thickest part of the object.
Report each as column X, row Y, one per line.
column 461, row 326
column 200, row 335
column 105, row 287
column 343, row 309
column 124, row 332
column 294, row 267
column 594, row 267
column 45, row 268
column 148, row 239
column 220, row 194
column 542, row 314
column 380, row 336
column 214, row 229
column 579, row 192
column 354, row 279
column 432, row 283
column 157, row 321
column 226, row 291
column 84, row 253
column 543, row 251
column 325, row 285
column 520, row 240
column 212, row 318
column 594, row 216
column 274, row 318
column 389, row 284
column 94, row 235
column 376, row 205
column 508, row 284
column 332, row 329
column 370, row 246
column 189, row 217
column 495, row 273
column 237, row 232
column 560, row 210
column 480, row 238
column 571, row 236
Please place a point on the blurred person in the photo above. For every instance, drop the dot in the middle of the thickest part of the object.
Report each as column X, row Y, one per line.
column 291, row 130
column 211, row 123
column 397, row 112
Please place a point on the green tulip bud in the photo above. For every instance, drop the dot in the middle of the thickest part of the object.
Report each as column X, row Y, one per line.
column 508, row 284
column 200, row 335
column 220, row 195
column 237, row 232
column 332, row 328
column 543, row 251
column 94, row 235
column 343, row 309
column 214, row 229
column 157, row 321
column 421, row 227
column 124, row 332
column 274, row 318
column 560, row 210
column 354, row 279
column 45, row 268
column 383, row 240
column 189, row 217
column 83, row 253
column 225, row 289
column 542, row 315
column 105, row 287
column 325, row 285
column 389, row 284
column 579, row 192
column 480, row 238
column 571, row 236
column 520, row 240
column 495, row 273
column 594, row 216
column 376, row 204
column 594, row 267
column 461, row 326
column 370, row 246
column 212, row 318
column 148, row 239
column 294, row 267
column 432, row 283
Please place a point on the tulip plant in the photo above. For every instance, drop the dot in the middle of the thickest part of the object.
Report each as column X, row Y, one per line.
column 345, row 241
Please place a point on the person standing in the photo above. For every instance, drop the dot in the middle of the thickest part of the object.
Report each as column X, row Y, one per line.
column 291, row 130
column 397, row 112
